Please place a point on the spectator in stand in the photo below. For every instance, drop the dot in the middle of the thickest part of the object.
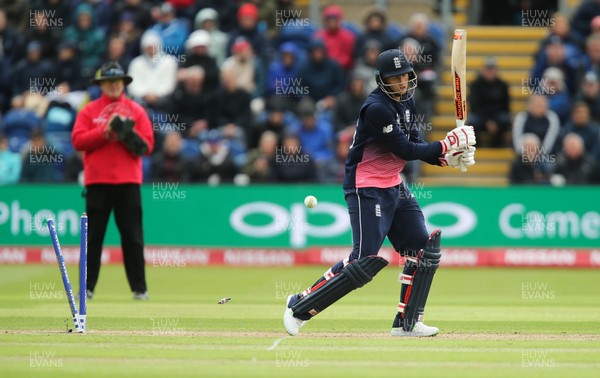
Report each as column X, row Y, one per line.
column 87, row 37
column 232, row 103
column 316, row 135
column 190, row 102
column 564, row 57
column 40, row 161
column 574, row 166
column 349, row 102
column 553, row 86
column 43, row 33
column 365, row 65
column 560, row 29
column 282, row 75
column 582, row 18
column 248, row 30
column 334, row 171
column 10, row 163
column 260, row 160
column 138, row 11
column 590, row 94
column 591, row 59
column 537, row 120
column 292, row 165
column 131, row 33
column 582, row 125
column 375, row 28
column 214, row 164
column 266, row 14
column 489, row 112
column 17, row 13
column 292, row 26
column 418, row 29
column 339, row 42
column 33, row 74
column 19, row 122
column 185, row 9
column 64, row 94
column 425, row 93
column 197, row 46
column 208, row 19
column 532, row 165
column 117, row 52
column 322, row 75
column 275, row 118
column 235, row 138
column 59, row 10
column 102, row 13
column 595, row 25
column 172, row 31
column 12, row 42
column 233, row 115
column 68, row 66
column 248, row 67
column 60, row 116
column 154, row 72
column 169, row 165
column 227, row 11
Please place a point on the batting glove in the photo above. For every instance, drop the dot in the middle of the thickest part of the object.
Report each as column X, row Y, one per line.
column 459, row 138
column 454, row 158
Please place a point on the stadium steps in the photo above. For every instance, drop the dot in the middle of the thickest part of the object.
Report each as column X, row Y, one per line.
column 491, row 170
column 460, row 181
column 513, row 48
column 461, row 14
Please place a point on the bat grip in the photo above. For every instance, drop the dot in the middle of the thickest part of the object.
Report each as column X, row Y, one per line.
column 460, row 123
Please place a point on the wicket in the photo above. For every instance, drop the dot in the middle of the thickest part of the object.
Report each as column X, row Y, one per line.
column 79, row 318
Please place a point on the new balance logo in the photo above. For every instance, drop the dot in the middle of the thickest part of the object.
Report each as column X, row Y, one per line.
column 397, row 63
column 378, row 210
column 388, row 129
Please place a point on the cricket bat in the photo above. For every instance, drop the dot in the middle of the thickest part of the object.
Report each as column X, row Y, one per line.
column 459, row 79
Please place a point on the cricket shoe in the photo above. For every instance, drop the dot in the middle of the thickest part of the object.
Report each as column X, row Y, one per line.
column 140, row 296
column 291, row 323
column 419, row 330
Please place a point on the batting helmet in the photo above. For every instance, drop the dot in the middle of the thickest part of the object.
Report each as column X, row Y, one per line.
column 392, row 63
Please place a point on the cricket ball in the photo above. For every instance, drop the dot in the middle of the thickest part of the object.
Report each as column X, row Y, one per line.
column 310, row 201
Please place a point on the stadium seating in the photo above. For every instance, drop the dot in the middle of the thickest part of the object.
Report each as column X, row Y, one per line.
column 513, row 48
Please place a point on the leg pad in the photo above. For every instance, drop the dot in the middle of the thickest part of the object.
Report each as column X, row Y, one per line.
column 354, row 275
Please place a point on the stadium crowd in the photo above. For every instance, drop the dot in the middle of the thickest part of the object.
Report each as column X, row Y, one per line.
column 241, row 92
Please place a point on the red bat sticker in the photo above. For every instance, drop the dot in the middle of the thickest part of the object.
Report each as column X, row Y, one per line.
column 458, row 97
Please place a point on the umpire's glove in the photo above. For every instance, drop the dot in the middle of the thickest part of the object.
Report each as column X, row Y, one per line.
column 128, row 136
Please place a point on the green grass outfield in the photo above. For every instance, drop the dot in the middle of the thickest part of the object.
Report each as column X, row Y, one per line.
column 494, row 323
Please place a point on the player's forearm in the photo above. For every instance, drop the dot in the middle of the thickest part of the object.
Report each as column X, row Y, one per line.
column 419, row 151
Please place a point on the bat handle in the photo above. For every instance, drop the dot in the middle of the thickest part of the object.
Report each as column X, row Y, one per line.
column 460, row 123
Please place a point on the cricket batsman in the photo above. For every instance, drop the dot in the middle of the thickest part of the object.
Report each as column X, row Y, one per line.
column 380, row 204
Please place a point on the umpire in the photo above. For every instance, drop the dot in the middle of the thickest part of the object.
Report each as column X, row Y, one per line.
column 114, row 132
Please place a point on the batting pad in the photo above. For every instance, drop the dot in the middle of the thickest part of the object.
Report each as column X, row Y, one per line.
column 416, row 281
column 354, row 275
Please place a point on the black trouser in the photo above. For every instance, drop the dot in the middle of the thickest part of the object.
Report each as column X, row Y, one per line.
column 126, row 201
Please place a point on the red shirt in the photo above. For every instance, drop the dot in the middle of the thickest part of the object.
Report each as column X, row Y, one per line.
column 339, row 45
column 108, row 161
